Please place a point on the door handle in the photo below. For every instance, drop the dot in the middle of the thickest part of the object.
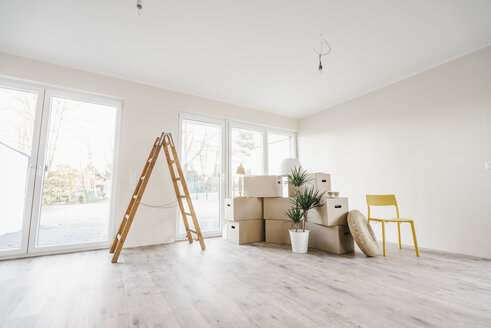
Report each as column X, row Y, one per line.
column 39, row 167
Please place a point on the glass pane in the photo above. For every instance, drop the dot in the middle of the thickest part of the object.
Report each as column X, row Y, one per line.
column 78, row 173
column 201, row 159
column 247, row 148
column 280, row 146
column 17, row 116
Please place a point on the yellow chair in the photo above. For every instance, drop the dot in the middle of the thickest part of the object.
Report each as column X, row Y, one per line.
column 390, row 200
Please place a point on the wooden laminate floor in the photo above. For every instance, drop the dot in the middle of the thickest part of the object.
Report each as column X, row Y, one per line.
column 261, row 285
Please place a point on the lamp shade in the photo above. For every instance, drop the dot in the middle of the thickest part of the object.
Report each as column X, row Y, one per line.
column 289, row 163
column 240, row 169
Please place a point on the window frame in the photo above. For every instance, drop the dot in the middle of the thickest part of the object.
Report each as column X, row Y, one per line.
column 40, row 91
column 81, row 96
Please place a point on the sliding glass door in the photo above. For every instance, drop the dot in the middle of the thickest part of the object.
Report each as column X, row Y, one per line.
column 77, row 159
column 56, row 166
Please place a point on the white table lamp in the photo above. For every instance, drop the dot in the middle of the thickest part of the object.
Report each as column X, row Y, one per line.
column 240, row 172
column 288, row 164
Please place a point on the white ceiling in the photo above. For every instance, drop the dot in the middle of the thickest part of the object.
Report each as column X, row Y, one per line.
column 255, row 53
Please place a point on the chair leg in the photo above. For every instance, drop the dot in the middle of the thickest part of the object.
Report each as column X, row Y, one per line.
column 383, row 235
column 414, row 238
column 399, row 232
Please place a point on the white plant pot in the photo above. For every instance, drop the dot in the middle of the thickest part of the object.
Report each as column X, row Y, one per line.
column 300, row 241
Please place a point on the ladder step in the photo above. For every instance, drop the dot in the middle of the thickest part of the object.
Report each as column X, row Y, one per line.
column 187, row 214
column 191, row 230
column 177, row 179
column 182, row 196
column 172, row 162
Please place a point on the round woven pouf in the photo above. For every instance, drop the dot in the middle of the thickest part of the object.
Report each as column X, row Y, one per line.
column 362, row 233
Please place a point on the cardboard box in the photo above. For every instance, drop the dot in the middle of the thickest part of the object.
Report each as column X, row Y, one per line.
column 245, row 232
column 243, row 208
column 333, row 213
column 335, row 239
column 264, row 186
column 277, row 231
column 275, row 208
column 321, row 181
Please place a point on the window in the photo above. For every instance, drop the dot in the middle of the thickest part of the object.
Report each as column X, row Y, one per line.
column 78, row 169
column 211, row 150
column 201, row 161
column 18, row 110
column 259, row 150
column 280, row 146
column 246, row 149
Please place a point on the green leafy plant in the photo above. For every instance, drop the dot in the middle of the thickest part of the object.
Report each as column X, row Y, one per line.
column 308, row 199
column 295, row 214
column 298, row 177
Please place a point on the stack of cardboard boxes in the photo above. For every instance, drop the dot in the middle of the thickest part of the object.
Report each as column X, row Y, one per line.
column 269, row 197
column 245, row 214
column 245, row 222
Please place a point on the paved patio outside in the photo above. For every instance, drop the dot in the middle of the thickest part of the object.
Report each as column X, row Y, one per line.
column 82, row 223
column 67, row 224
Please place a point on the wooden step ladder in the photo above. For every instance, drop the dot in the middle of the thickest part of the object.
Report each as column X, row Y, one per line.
column 164, row 141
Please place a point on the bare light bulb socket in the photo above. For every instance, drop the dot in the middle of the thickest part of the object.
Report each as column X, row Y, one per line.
column 139, row 7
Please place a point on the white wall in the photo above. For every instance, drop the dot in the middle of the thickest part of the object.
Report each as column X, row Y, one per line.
column 425, row 139
column 147, row 111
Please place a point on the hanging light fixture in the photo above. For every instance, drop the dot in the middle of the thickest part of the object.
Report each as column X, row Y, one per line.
column 325, row 49
column 139, row 7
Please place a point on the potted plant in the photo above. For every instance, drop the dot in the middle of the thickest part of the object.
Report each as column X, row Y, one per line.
column 299, row 239
column 306, row 199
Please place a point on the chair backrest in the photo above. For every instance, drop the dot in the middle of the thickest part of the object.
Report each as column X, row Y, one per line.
column 382, row 200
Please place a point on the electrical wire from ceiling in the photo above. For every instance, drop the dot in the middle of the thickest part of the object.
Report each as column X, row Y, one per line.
column 165, row 205
column 321, row 51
